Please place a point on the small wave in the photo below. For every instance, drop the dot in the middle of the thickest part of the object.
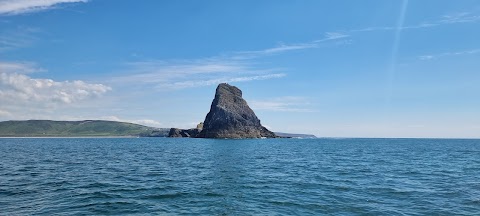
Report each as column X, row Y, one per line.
column 164, row 196
column 97, row 185
column 212, row 194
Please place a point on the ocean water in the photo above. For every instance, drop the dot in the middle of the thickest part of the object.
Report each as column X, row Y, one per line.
column 164, row 176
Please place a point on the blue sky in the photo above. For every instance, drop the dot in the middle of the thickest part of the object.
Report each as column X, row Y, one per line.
column 331, row 68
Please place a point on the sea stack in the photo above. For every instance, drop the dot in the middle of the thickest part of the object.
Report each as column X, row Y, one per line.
column 231, row 117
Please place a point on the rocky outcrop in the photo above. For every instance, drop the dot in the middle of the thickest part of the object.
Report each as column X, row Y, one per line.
column 175, row 132
column 231, row 117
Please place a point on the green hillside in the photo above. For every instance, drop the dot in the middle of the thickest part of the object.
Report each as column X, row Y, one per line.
column 87, row 128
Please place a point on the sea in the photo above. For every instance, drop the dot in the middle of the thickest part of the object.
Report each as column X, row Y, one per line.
column 181, row 176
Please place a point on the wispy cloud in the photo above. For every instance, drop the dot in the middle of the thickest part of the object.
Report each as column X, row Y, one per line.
column 241, row 66
column 14, row 7
column 19, row 67
column 209, row 82
column 449, row 19
column 166, row 71
column 176, row 75
column 282, row 104
column 274, row 50
column 332, row 36
column 19, row 37
column 446, row 54
column 281, row 48
column 456, row 18
column 463, row 17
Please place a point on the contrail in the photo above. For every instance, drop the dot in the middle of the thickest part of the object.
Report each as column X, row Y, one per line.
column 396, row 43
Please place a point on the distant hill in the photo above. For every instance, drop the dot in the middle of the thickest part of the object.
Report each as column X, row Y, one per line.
column 87, row 128
column 306, row 136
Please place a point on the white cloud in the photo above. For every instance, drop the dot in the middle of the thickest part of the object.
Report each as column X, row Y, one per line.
column 4, row 114
column 19, row 67
column 146, row 122
column 21, row 89
column 282, row 104
column 183, row 124
column 12, row 7
column 445, row 54
column 25, row 97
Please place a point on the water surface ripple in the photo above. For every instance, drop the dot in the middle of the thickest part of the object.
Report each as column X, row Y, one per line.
column 239, row 177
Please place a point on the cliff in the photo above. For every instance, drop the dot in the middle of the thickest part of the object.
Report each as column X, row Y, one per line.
column 231, row 117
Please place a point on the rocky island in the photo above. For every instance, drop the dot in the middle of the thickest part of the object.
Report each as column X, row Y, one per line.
column 229, row 117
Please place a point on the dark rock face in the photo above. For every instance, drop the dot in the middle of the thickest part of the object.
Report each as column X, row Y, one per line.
column 231, row 117
column 175, row 132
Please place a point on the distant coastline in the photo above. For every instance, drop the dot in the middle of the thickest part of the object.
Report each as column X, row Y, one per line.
column 81, row 129
column 36, row 129
column 75, row 137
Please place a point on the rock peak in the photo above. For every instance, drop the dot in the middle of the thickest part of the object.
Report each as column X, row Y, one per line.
column 231, row 117
column 225, row 88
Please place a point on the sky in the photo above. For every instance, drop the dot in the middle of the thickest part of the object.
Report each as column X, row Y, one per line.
column 343, row 68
